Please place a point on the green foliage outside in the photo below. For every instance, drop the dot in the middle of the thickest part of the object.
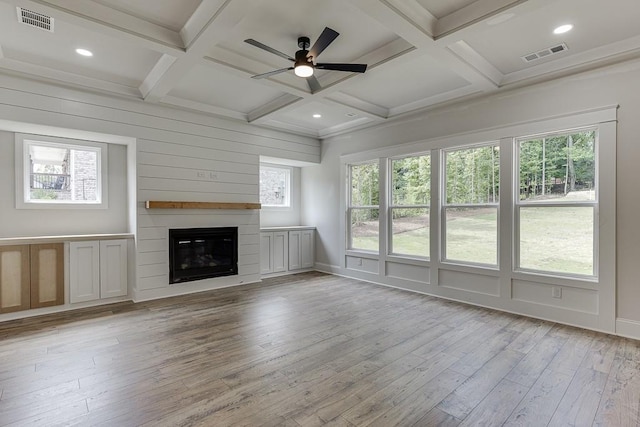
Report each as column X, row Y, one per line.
column 555, row 166
column 43, row 194
column 472, row 175
column 561, row 168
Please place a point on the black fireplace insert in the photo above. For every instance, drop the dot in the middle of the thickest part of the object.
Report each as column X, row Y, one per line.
column 201, row 253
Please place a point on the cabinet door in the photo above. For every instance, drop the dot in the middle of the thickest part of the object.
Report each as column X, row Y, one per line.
column 47, row 275
column 266, row 253
column 84, row 271
column 15, row 279
column 307, row 249
column 295, row 262
column 113, row 268
column 280, row 251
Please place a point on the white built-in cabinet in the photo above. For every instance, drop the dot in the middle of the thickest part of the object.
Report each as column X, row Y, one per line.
column 284, row 250
column 97, row 269
column 300, row 249
column 273, row 252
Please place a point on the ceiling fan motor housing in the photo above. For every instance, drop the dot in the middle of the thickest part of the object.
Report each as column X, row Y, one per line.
column 302, row 58
column 304, row 43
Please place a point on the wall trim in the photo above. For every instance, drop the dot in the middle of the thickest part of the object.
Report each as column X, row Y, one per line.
column 628, row 328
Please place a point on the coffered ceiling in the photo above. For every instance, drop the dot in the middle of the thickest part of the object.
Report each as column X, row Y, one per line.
column 191, row 54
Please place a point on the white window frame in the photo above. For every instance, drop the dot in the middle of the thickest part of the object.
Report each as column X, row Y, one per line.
column 444, row 206
column 22, row 172
column 288, row 192
column 390, row 205
column 350, row 207
column 518, row 204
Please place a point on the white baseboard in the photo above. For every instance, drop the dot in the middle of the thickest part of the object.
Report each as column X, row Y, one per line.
column 328, row 268
column 628, row 328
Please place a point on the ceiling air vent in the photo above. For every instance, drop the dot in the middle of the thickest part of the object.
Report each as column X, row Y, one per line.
column 35, row 19
column 545, row 52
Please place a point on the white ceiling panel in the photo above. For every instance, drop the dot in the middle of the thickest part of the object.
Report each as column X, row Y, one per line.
column 596, row 23
column 440, row 8
column 112, row 60
column 417, row 79
column 212, row 87
column 280, row 22
column 332, row 115
column 171, row 14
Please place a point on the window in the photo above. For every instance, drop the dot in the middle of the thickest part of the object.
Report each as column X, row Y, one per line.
column 409, row 205
column 557, row 203
column 275, row 186
column 54, row 172
column 363, row 207
column 470, row 204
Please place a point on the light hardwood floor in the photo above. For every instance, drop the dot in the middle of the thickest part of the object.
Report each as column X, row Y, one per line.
column 307, row 350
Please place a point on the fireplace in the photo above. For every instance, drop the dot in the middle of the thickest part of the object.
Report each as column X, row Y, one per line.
column 201, row 253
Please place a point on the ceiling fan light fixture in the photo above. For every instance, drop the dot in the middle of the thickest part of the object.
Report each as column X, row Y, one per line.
column 303, row 70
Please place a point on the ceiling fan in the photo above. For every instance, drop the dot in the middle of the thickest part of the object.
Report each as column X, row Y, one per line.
column 305, row 59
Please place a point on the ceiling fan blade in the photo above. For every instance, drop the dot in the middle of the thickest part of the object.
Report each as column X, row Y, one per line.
column 326, row 38
column 314, row 84
column 271, row 73
column 353, row 68
column 268, row 49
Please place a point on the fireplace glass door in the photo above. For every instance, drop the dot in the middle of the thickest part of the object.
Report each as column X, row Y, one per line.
column 201, row 253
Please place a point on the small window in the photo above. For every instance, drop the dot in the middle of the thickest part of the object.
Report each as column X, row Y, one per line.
column 54, row 172
column 275, row 186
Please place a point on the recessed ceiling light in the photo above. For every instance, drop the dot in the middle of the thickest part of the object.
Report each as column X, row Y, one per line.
column 84, row 52
column 563, row 29
column 317, row 116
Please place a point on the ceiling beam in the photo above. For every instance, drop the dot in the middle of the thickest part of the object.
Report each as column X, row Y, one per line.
column 386, row 12
column 199, row 107
column 42, row 73
column 230, row 13
column 479, row 10
column 276, row 105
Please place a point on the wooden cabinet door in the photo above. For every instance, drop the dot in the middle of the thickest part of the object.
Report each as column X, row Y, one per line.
column 113, row 268
column 47, row 275
column 84, row 271
column 15, row 278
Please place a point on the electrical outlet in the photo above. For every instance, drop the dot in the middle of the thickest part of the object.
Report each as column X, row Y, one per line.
column 207, row 175
column 556, row 292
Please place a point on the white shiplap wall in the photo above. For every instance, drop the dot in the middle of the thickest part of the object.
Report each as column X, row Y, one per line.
column 202, row 172
column 178, row 155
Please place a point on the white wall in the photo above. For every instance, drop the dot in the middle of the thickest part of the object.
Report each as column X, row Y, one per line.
column 56, row 222
column 605, row 87
column 275, row 217
column 180, row 156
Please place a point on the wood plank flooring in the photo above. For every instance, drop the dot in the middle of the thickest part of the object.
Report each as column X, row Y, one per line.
column 310, row 350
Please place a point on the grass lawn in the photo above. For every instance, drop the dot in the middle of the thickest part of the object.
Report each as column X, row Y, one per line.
column 552, row 239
